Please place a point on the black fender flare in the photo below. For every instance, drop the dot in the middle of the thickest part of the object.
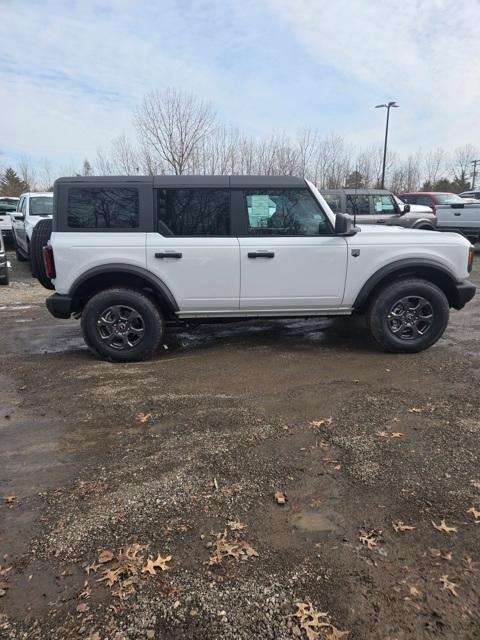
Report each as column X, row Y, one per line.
column 118, row 269
column 400, row 266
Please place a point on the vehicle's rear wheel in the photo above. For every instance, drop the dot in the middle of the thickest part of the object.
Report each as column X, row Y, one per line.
column 40, row 236
column 122, row 325
column 425, row 227
column 4, row 277
column 408, row 315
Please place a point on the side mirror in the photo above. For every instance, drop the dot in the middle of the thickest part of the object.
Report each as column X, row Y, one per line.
column 344, row 225
column 18, row 216
column 406, row 208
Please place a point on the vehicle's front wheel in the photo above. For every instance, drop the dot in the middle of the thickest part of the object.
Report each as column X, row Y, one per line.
column 122, row 325
column 408, row 315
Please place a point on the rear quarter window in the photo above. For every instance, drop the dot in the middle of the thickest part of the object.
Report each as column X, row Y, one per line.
column 103, row 208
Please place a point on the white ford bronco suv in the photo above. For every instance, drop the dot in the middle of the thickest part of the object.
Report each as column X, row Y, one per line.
column 129, row 255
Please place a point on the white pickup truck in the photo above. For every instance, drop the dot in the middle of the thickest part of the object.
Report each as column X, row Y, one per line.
column 461, row 217
column 31, row 208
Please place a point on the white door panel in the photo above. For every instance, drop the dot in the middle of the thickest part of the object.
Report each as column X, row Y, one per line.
column 203, row 275
column 303, row 273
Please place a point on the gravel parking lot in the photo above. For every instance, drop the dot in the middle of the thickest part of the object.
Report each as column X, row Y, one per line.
column 277, row 479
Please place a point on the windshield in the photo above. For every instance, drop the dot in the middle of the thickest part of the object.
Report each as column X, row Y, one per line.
column 41, row 206
column 448, row 198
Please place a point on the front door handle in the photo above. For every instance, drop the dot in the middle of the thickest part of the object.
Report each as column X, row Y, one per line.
column 380, row 221
column 457, row 214
column 169, row 254
column 261, row 254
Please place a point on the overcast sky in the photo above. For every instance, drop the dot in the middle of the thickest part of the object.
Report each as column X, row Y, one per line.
column 72, row 71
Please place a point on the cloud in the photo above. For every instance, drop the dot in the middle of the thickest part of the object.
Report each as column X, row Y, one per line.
column 72, row 73
column 423, row 54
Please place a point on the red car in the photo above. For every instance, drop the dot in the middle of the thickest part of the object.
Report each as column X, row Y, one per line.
column 431, row 198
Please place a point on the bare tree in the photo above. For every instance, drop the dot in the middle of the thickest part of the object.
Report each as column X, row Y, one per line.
column 174, row 124
column 433, row 165
column 27, row 172
column 46, row 176
column 461, row 165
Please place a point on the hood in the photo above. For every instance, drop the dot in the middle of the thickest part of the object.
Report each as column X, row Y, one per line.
column 378, row 234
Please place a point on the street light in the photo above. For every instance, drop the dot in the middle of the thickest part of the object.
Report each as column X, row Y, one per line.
column 474, row 162
column 387, row 106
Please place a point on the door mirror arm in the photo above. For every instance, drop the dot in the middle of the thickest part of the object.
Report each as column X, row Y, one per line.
column 344, row 225
column 406, row 209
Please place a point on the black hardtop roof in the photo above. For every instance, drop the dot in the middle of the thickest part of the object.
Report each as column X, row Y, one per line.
column 191, row 181
column 358, row 192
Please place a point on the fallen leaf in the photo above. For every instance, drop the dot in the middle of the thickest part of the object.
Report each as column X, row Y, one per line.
column 449, row 586
column 9, row 499
column 414, row 592
column 399, row 525
column 311, row 621
column 105, row 556
column 316, row 424
column 437, row 553
column 382, row 434
column 443, row 526
column 143, row 417
column 474, row 512
column 91, row 567
column 414, row 410
column 110, row 576
column 236, row 525
column 396, row 434
column 280, row 497
column 470, row 565
column 159, row 562
column 336, row 634
column 82, row 607
column 224, row 548
column 369, row 538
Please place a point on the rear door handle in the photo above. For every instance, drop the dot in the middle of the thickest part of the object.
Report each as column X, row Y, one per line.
column 169, row 254
column 261, row 254
column 457, row 214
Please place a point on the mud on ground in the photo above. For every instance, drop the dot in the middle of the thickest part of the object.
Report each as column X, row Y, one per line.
column 144, row 500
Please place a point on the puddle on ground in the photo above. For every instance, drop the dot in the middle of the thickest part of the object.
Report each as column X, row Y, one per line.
column 313, row 521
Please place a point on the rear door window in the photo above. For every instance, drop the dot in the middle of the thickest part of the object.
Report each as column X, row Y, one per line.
column 193, row 212
column 383, row 204
column 107, row 208
column 358, row 205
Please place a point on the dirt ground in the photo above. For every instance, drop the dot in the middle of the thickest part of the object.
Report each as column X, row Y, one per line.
column 144, row 500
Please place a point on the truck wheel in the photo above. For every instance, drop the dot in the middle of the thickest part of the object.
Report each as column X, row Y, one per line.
column 425, row 227
column 5, row 277
column 408, row 316
column 40, row 236
column 122, row 325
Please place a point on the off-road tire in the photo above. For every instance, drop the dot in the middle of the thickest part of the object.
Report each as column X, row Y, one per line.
column 380, row 316
column 5, row 278
column 150, row 316
column 40, row 237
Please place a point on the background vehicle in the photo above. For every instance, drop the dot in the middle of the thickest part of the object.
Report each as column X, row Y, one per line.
column 431, row 198
column 377, row 206
column 474, row 193
column 7, row 205
column 461, row 217
column 4, row 265
column 31, row 208
column 129, row 255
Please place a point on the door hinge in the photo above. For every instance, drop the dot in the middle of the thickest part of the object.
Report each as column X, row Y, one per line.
column 355, row 253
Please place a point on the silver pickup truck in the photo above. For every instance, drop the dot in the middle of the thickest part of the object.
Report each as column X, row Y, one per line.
column 460, row 217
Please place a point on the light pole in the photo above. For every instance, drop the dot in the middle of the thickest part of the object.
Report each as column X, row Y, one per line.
column 387, row 106
column 474, row 162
